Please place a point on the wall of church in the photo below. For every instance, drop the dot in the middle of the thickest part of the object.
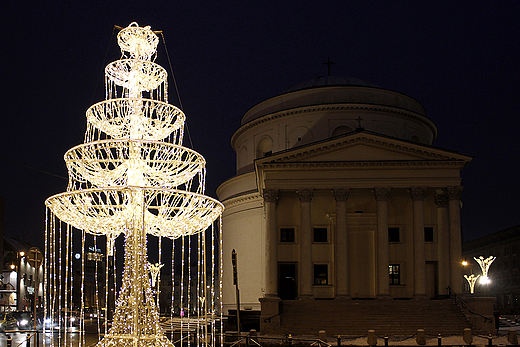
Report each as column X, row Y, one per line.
column 243, row 230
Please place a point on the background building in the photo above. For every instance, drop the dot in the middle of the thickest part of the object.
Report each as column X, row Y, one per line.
column 339, row 193
column 21, row 284
column 503, row 273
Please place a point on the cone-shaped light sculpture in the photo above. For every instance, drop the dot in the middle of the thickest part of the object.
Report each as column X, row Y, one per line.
column 132, row 176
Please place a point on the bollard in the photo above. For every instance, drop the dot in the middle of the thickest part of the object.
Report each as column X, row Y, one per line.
column 253, row 334
column 322, row 335
column 290, row 340
column 372, row 339
column 339, row 340
column 439, row 341
column 512, row 337
column 467, row 336
column 490, row 341
column 9, row 341
column 386, row 340
column 421, row 337
column 28, row 340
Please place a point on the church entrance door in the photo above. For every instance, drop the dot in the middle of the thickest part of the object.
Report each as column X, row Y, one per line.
column 431, row 279
column 287, row 284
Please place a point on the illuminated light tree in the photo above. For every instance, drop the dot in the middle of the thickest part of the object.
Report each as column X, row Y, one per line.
column 130, row 177
column 472, row 279
column 484, row 266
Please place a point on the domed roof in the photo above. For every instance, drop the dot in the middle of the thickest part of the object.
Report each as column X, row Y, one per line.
column 330, row 81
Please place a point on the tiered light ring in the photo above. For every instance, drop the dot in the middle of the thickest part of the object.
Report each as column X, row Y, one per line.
column 132, row 176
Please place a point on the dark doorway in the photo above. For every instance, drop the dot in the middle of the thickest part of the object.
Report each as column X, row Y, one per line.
column 287, row 284
column 431, row 279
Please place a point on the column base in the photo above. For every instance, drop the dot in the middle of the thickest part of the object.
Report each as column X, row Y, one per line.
column 421, row 297
column 342, row 297
column 306, row 297
column 384, row 297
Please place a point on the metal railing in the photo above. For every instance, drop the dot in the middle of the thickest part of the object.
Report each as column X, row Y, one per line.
column 461, row 303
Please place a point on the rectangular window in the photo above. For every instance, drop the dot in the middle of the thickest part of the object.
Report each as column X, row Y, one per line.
column 321, row 274
column 320, row 235
column 286, row 234
column 428, row 234
column 393, row 235
column 394, row 273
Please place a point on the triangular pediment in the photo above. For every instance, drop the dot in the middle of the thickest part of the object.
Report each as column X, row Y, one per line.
column 363, row 147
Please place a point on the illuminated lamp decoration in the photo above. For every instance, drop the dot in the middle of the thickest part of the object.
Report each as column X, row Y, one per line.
column 132, row 177
column 154, row 272
column 472, row 279
column 484, row 266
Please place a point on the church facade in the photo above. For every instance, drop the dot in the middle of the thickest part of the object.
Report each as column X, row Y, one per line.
column 340, row 194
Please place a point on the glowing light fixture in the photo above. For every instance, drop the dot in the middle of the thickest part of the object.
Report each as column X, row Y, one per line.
column 484, row 266
column 131, row 177
column 472, row 279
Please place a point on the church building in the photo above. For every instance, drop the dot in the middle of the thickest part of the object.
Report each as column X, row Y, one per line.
column 340, row 194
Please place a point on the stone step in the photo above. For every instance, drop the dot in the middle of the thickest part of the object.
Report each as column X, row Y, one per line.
column 356, row 317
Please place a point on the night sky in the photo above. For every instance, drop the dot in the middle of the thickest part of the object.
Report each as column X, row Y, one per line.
column 460, row 59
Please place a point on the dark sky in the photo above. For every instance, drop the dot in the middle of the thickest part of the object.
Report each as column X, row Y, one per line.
column 460, row 59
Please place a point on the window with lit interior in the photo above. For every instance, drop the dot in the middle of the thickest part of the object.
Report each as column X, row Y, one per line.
column 321, row 274
column 394, row 273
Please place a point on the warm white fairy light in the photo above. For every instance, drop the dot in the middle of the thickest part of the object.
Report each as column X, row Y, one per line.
column 472, row 279
column 133, row 177
column 154, row 272
column 485, row 263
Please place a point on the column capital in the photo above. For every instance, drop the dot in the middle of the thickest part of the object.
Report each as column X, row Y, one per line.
column 382, row 193
column 417, row 193
column 454, row 193
column 441, row 197
column 270, row 195
column 341, row 194
column 305, row 194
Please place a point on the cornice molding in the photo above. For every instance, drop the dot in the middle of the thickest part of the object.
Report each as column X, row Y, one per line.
column 426, row 164
column 369, row 140
column 333, row 107
column 239, row 199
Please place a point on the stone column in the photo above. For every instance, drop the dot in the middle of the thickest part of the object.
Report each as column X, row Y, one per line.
column 270, row 243
column 381, row 195
column 443, row 242
column 341, row 249
column 455, row 238
column 306, row 268
column 417, row 194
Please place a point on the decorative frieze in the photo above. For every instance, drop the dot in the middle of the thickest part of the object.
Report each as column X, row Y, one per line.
column 341, row 194
column 271, row 195
column 417, row 193
column 454, row 193
column 441, row 197
column 382, row 193
column 305, row 195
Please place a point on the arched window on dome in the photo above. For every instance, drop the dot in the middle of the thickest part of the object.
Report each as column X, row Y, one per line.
column 415, row 138
column 242, row 156
column 264, row 147
column 341, row 130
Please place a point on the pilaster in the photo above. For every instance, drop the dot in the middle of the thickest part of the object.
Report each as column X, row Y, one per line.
column 381, row 194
